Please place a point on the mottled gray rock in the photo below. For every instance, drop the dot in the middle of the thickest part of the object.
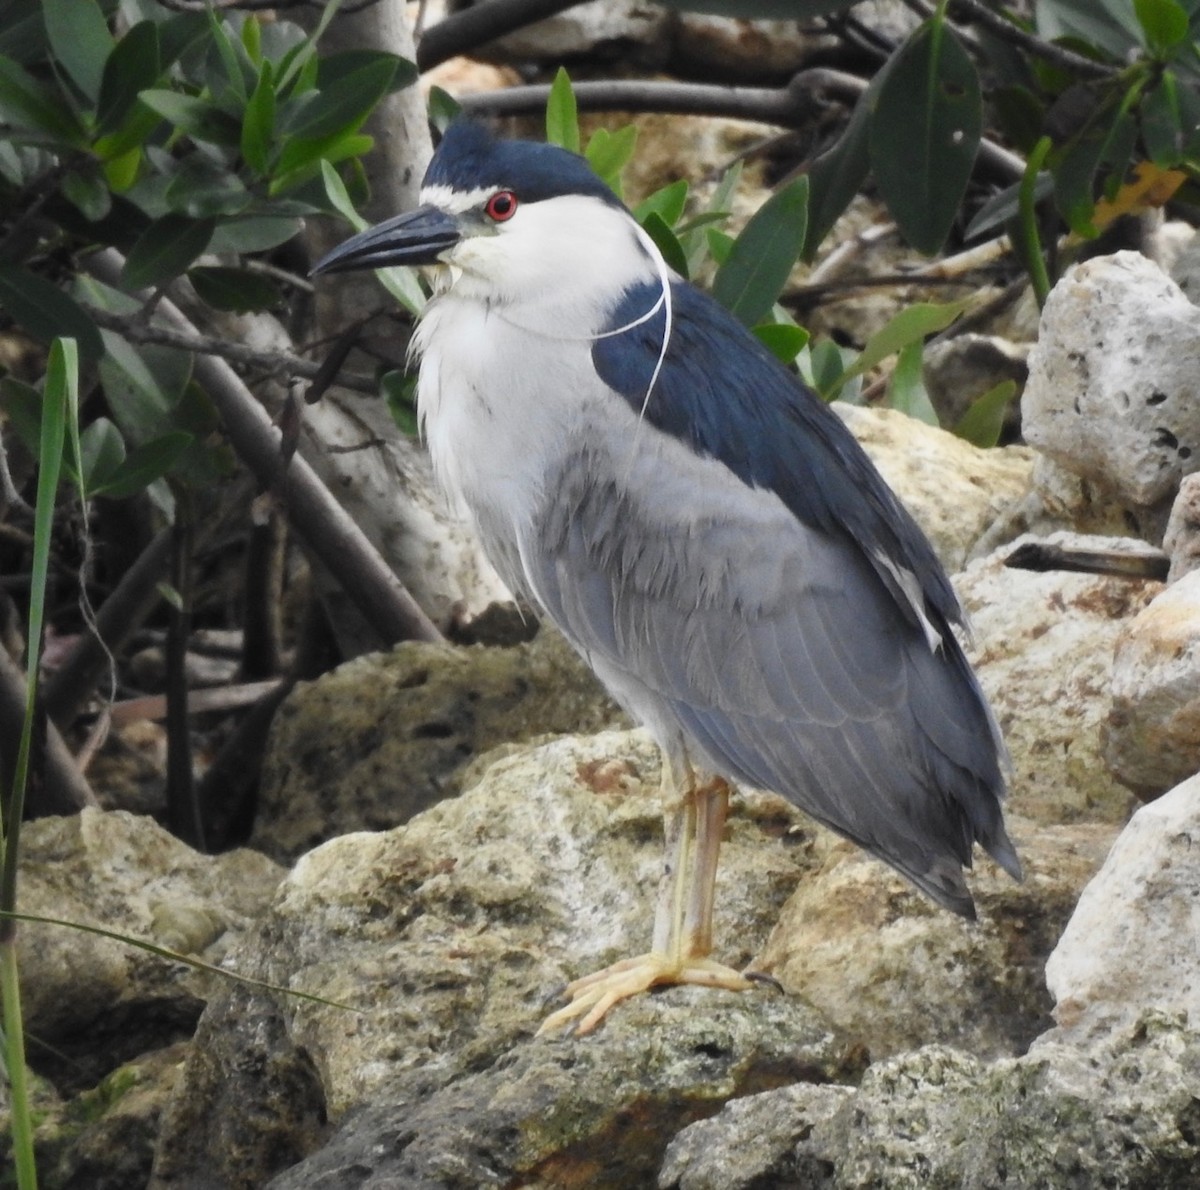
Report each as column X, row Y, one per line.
column 954, row 490
column 1152, row 734
column 93, row 1001
column 1131, row 944
column 104, row 1138
column 1125, row 1114
column 960, row 370
column 641, row 30
column 1113, row 394
column 444, row 937
column 1043, row 652
column 1182, row 538
column 752, row 1142
column 595, row 1112
column 387, row 735
column 894, row 972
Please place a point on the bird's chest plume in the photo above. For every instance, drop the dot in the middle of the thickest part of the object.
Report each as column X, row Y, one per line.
column 498, row 405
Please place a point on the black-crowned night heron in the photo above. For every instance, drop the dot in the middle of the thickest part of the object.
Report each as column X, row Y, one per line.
column 701, row 528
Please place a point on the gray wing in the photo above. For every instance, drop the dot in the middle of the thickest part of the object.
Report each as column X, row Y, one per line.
column 776, row 650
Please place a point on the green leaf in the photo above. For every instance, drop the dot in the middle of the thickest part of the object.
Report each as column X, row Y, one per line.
column 610, row 152
column 664, row 238
column 234, row 289
column 350, row 63
column 300, row 156
column 102, row 451
column 911, row 325
column 258, row 122
column 45, row 311
column 562, row 116
column 87, row 190
column 925, row 130
column 1002, row 207
column 1107, row 138
column 782, row 339
column 231, row 55
column 79, row 37
column 1164, row 25
column 838, row 175
column 750, row 281
column 667, row 203
column 335, row 188
column 27, row 103
column 1170, row 121
column 21, row 405
column 906, row 386
column 343, row 105
column 984, row 420
column 165, row 249
column 199, row 118
column 444, row 109
column 823, row 366
column 133, row 66
column 201, row 189
column 254, row 233
column 719, row 244
column 143, row 465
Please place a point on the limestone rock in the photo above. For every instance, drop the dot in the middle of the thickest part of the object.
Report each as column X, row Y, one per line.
column 387, row 735
column 752, row 1142
column 959, row 371
column 730, row 49
column 1152, row 734
column 639, row 29
column 1043, row 652
column 1061, row 1118
column 104, row 1139
column 1182, row 538
column 96, row 1002
column 1131, row 944
column 953, row 489
column 895, row 972
column 594, row 1112
column 1113, row 394
column 444, row 938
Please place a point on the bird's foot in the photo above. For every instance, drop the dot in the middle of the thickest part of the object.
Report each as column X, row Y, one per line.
column 592, row 996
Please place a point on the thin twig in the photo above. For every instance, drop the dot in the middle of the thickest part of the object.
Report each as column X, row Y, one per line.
column 1056, row 55
column 275, row 362
column 316, row 516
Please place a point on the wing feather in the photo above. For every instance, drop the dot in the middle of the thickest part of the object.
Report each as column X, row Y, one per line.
column 775, row 649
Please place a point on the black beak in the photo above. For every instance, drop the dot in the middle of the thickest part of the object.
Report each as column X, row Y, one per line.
column 416, row 237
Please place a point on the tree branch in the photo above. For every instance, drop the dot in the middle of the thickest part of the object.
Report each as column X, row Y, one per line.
column 276, row 363
column 316, row 517
column 481, row 23
column 790, row 106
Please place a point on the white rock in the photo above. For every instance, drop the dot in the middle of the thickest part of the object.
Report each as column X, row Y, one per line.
column 954, row 490
column 1114, row 392
column 1133, row 940
column 1152, row 736
column 1182, row 538
column 1043, row 651
column 583, row 28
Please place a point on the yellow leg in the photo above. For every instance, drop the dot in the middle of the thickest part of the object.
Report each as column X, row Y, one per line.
column 694, row 818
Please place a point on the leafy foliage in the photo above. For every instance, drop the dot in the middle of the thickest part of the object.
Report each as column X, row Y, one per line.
column 187, row 133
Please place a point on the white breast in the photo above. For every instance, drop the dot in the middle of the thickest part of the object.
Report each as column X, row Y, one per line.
column 500, row 407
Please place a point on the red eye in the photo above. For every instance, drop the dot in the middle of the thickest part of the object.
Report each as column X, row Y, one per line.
column 502, row 205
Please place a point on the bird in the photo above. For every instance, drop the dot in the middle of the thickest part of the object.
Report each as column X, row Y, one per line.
column 703, row 530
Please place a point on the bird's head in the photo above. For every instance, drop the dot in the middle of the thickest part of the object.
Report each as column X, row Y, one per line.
column 511, row 222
